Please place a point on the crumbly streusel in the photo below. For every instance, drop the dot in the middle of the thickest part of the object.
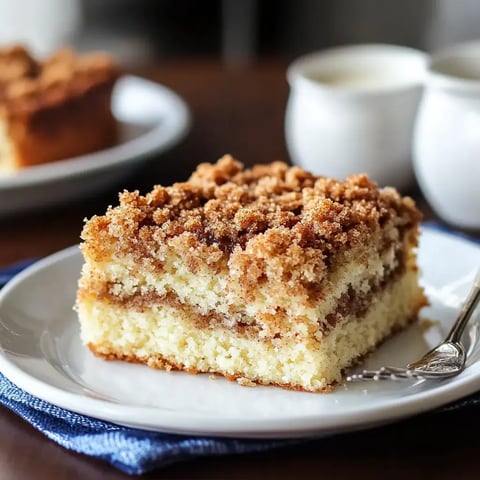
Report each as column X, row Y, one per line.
column 274, row 209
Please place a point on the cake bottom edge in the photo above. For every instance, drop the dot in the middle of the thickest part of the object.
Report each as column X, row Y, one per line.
column 158, row 362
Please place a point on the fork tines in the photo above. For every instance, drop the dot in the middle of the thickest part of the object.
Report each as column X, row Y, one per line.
column 385, row 373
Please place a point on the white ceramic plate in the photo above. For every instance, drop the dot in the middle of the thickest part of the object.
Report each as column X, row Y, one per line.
column 41, row 352
column 152, row 119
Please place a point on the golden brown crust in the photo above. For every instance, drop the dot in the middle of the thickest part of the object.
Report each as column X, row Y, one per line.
column 57, row 108
column 160, row 363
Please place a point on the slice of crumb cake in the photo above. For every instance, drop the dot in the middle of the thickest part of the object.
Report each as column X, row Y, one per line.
column 54, row 109
column 268, row 275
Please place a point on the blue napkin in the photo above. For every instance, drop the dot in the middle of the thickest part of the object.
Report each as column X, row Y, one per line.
column 131, row 450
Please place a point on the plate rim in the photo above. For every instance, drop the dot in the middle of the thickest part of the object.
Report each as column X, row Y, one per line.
column 160, row 419
column 164, row 134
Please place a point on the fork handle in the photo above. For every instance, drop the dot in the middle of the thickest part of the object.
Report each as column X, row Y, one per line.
column 465, row 313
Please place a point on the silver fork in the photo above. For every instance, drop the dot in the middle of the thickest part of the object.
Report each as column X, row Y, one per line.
column 445, row 360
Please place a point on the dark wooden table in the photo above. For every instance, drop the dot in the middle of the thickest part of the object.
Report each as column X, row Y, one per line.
column 239, row 111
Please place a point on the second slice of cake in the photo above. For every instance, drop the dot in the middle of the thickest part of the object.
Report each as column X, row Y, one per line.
column 54, row 109
column 266, row 275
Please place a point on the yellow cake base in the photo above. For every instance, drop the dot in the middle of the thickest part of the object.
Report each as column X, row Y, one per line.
column 311, row 364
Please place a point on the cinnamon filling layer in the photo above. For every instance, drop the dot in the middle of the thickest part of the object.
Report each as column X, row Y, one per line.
column 352, row 302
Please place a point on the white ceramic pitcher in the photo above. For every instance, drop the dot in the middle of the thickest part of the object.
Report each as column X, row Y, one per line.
column 352, row 110
column 447, row 136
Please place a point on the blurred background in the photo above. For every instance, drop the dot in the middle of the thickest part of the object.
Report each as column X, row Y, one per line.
column 227, row 58
column 137, row 31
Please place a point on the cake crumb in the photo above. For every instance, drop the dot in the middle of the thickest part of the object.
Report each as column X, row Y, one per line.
column 245, row 382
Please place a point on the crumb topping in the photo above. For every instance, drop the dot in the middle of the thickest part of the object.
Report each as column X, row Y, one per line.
column 278, row 206
column 27, row 84
column 16, row 63
column 270, row 224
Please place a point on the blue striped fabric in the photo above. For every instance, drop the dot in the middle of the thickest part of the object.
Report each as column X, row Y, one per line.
column 133, row 451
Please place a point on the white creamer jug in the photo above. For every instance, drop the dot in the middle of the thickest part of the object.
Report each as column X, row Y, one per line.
column 352, row 110
column 447, row 136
